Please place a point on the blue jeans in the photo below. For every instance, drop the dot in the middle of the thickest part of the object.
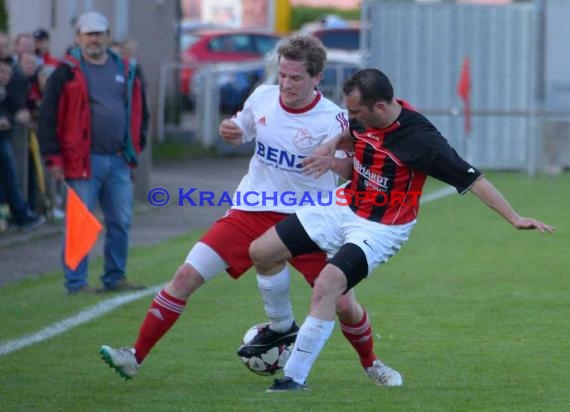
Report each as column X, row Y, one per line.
column 8, row 181
column 111, row 185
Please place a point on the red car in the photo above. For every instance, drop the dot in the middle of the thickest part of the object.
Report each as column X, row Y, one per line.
column 222, row 46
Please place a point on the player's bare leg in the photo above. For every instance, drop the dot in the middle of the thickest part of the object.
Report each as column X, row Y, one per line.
column 164, row 311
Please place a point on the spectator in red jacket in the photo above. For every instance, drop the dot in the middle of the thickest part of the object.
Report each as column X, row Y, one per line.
column 92, row 126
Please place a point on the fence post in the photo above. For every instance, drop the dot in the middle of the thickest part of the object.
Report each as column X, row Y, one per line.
column 532, row 143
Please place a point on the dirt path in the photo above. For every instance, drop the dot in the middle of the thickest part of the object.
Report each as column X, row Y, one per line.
column 24, row 255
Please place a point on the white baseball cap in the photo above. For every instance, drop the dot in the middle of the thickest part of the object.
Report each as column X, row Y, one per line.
column 92, row 22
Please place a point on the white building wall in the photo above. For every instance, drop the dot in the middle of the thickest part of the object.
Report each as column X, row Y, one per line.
column 58, row 17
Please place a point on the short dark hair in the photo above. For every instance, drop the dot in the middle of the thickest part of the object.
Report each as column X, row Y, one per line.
column 40, row 34
column 373, row 85
column 304, row 48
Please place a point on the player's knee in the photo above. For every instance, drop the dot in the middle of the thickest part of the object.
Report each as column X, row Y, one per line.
column 345, row 306
column 330, row 284
column 186, row 280
column 257, row 253
column 261, row 255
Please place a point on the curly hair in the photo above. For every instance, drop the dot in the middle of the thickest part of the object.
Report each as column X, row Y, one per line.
column 304, row 48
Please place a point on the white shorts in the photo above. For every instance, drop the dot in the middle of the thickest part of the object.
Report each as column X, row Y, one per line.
column 333, row 226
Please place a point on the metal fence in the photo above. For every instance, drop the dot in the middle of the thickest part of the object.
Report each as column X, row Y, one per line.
column 421, row 47
column 218, row 91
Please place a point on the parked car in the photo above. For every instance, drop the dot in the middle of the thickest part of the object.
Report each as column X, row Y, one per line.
column 335, row 33
column 341, row 38
column 222, row 46
column 187, row 29
column 234, row 82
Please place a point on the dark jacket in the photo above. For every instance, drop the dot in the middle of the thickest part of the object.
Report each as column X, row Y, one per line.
column 64, row 128
column 13, row 98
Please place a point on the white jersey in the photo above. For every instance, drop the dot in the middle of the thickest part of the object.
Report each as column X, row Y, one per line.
column 283, row 138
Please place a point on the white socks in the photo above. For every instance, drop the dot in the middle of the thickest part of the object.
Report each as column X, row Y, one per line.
column 274, row 291
column 311, row 338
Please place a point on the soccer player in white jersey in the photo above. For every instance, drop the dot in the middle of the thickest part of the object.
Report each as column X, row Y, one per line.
column 288, row 122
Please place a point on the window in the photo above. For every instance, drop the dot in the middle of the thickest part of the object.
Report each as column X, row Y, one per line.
column 265, row 44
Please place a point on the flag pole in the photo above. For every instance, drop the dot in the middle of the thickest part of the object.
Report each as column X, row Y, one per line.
column 464, row 92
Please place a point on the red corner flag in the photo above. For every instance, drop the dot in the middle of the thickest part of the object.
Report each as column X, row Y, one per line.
column 82, row 230
column 464, row 91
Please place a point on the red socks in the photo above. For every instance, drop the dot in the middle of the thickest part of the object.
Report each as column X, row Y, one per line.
column 165, row 310
column 360, row 337
column 162, row 314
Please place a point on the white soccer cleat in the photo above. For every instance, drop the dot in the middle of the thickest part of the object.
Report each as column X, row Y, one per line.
column 122, row 360
column 383, row 375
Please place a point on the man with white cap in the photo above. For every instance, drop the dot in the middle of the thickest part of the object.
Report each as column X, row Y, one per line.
column 93, row 124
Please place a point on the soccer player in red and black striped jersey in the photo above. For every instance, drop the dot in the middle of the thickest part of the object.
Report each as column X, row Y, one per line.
column 395, row 148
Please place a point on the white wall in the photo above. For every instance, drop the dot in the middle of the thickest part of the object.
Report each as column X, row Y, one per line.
column 29, row 15
column 557, row 55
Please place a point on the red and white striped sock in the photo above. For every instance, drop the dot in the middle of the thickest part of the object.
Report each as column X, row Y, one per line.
column 360, row 337
column 162, row 314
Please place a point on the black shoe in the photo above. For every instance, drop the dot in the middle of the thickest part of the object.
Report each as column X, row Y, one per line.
column 83, row 290
column 287, row 384
column 266, row 339
column 31, row 220
column 122, row 285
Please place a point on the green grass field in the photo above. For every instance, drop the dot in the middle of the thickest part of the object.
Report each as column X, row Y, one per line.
column 474, row 314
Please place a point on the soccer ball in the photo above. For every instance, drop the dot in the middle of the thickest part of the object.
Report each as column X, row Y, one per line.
column 269, row 362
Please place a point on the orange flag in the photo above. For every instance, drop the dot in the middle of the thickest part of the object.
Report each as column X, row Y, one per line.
column 81, row 232
column 464, row 91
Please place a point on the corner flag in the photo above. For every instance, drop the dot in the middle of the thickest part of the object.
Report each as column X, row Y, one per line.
column 81, row 232
column 464, row 91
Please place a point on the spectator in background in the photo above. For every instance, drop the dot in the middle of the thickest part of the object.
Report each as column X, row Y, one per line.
column 129, row 48
column 116, row 47
column 28, row 64
column 89, row 139
column 57, row 188
column 10, row 114
column 43, row 75
column 18, row 85
column 24, row 42
column 16, row 90
column 4, row 45
column 42, row 45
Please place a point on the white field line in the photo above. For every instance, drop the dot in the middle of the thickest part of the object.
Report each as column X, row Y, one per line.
column 438, row 194
column 108, row 305
column 82, row 317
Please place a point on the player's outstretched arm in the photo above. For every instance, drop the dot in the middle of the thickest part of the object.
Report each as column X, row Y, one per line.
column 491, row 196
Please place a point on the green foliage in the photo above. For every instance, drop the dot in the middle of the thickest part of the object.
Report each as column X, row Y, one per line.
column 3, row 17
column 303, row 14
column 472, row 312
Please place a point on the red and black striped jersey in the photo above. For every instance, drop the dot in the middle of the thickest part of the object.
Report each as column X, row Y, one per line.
column 392, row 164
